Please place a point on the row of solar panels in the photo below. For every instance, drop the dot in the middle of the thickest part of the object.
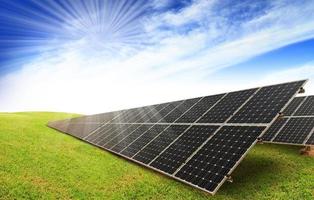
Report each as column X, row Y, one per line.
column 209, row 109
column 198, row 141
column 296, row 126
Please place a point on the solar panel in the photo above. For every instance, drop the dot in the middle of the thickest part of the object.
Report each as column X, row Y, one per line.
column 156, row 146
column 180, row 110
column 78, row 129
column 124, row 142
column 101, row 132
column 295, row 130
column 297, row 125
column 266, row 103
column 274, row 128
column 166, row 111
column 226, row 107
column 136, row 115
column 122, row 134
column 176, row 154
column 213, row 162
column 152, row 110
column 114, row 130
column 82, row 126
column 125, row 115
column 143, row 140
column 98, row 118
column 199, row 109
column 292, row 107
column 307, row 107
column 310, row 141
column 198, row 141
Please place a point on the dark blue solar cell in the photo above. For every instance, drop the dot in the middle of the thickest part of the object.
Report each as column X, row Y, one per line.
column 266, row 103
column 208, row 167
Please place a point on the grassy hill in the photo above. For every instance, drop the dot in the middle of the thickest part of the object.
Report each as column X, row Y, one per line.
column 37, row 162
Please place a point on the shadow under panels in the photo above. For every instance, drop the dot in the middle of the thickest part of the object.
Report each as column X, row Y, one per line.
column 297, row 125
column 197, row 141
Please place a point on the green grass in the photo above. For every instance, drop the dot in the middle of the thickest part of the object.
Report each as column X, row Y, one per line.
column 37, row 162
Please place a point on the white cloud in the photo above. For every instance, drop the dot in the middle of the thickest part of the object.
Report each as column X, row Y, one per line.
column 88, row 76
column 295, row 73
column 193, row 13
column 161, row 4
column 226, row 41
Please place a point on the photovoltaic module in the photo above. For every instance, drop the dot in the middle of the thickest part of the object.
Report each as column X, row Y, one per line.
column 296, row 127
column 197, row 141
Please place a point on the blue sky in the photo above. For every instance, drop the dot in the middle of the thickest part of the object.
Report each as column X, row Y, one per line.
column 91, row 56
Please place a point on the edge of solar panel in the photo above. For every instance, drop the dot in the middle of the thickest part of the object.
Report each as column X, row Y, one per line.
column 290, row 116
column 230, row 171
column 292, row 144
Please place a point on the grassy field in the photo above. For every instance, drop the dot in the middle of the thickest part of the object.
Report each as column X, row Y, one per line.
column 37, row 162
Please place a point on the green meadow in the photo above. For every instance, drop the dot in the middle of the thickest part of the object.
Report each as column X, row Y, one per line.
column 37, row 162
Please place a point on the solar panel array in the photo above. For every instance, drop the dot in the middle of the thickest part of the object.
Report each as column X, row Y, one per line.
column 198, row 141
column 296, row 126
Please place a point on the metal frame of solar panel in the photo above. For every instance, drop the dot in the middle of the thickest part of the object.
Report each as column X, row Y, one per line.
column 296, row 127
column 197, row 141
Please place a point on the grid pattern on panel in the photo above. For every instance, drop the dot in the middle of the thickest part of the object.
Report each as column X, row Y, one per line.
column 166, row 137
column 83, row 126
column 98, row 118
column 123, row 114
column 226, row 107
column 81, row 129
column 138, row 114
column 307, row 107
column 295, row 131
column 156, row 146
column 168, row 107
column 167, row 110
column 117, row 129
column 60, row 125
column 143, row 140
column 152, row 110
column 180, row 110
column 120, row 136
column 291, row 108
column 298, row 113
column 209, row 166
column 176, row 154
column 153, row 114
column 100, row 133
column 126, row 115
column 274, row 128
column 130, row 138
column 310, row 141
column 266, row 103
column 199, row 109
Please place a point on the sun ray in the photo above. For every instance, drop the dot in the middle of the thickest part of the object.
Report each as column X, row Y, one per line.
column 104, row 26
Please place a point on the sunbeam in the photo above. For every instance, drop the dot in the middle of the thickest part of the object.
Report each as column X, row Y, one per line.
column 127, row 53
column 94, row 25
